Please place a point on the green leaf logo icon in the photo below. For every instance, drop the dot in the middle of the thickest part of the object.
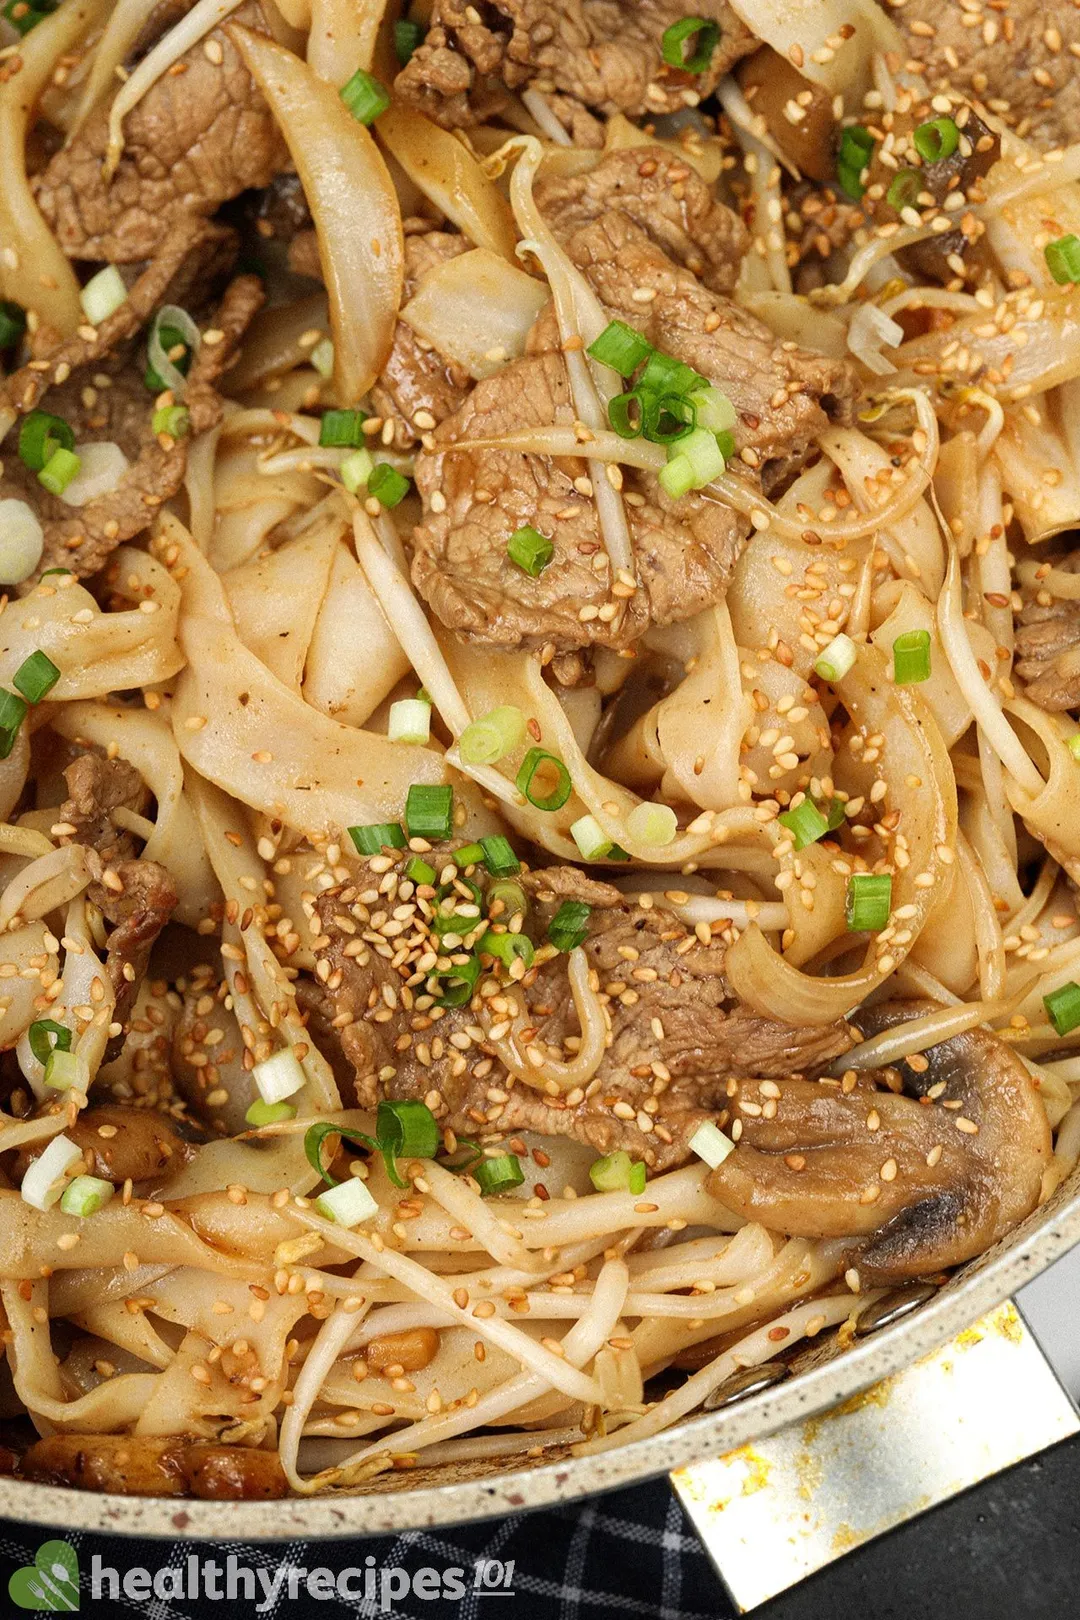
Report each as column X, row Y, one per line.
column 51, row 1582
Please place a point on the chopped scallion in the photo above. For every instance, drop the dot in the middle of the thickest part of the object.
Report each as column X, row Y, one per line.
column 538, row 763
column 67, row 1071
column 1063, row 1007
column 620, row 347
column 499, row 857
column 40, row 435
column 45, row 1036
column 103, row 295
column 36, row 676
column 1063, row 259
column 342, row 428
column 365, row 97
column 652, row 824
column 409, row 721
column 498, row 1175
column 263, row 1113
column 904, row 190
column 710, row 1144
column 805, row 823
column 418, row 871
column 837, row 659
column 407, row 36
column 530, row 550
column 58, row 471
column 508, row 948
column 175, row 420
column 570, row 925
column 279, row 1076
column 618, row 1172
column 429, row 810
column 869, row 902
column 590, row 838
column 911, row 657
column 936, row 140
column 492, row 736
column 13, row 712
column 356, row 470
column 689, row 44
column 458, row 981
column 85, row 1195
column 348, row 1204
column 12, row 323
column 377, row 836
column 387, row 485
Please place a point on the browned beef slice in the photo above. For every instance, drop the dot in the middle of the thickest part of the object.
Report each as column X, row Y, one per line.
column 416, row 377
column 684, row 550
column 662, row 194
column 197, row 138
column 1016, row 58
column 676, row 1035
column 1048, row 654
column 138, row 897
column 784, row 395
column 603, row 53
column 117, row 406
column 97, row 786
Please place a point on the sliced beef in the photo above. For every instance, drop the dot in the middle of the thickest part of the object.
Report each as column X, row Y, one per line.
column 677, row 1034
column 137, row 897
column 201, row 135
column 665, row 197
column 684, row 550
column 97, row 787
column 1048, row 654
column 784, row 395
column 1017, row 58
column 110, row 402
column 603, row 54
column 417, row 379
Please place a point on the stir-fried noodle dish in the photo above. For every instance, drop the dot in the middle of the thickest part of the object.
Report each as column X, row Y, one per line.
column 539, row 668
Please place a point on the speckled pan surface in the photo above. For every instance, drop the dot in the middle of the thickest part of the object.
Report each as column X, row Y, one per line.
column 437, row 1497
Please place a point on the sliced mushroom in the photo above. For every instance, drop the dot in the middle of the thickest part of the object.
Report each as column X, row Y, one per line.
column 923, row 1181
column 799, row 114
column 145, row 1465
column 121, row 1143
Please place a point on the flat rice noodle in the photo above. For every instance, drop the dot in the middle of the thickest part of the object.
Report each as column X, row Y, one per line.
column 449, row 176
column 354, row 659
column 276, row 599
column 477, row 309
column 353, row 205
column 811, row 27
column 915, row 751
column 1054, row 814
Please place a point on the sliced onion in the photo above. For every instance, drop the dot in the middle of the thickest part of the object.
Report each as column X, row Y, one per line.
column 22, row 540
column 353, row 204
column 101, row 467
column 179, row 319
column 477, row 310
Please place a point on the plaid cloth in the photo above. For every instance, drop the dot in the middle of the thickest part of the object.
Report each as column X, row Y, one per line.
column 630, row 1553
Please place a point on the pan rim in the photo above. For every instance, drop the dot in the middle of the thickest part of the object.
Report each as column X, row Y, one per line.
column 460, row 1502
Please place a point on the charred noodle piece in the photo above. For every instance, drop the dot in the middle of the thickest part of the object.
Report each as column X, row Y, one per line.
column 82, row 538
column 925, row 1184
column 676, row 1034
column 1048, row 654
column 605, row 54
column 144, row 1465
column 123, row 1143
column 1019, row 61
column 684, row 551
column 197, row 138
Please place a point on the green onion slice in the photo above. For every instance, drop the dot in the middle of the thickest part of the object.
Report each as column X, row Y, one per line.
column 388, row 486
column 40, row 436
column 530, row 550
column 175, row 420
column 618, row 1172
column 539, row 763
column 570, row 924
column 316, row 1135
column 468, row 855
column 12, row 714
column 342, row 428
column 1063, row 259
column 911, row 657
column 626, row 413
column 418, row 871
column 492, row 736
column 458, row 982
column 1063, row 1007
column 429, row 810
column 805, row 823
column 498, row 1175
column 620, row 347
column 508, row 948
column 869, row 901
column 677, row 45
column 58, row 471
column 36, row 676
column 936, row 140
column 407, row 36
column 506, row 899
column 856, row 150
column 499, row 857
column 406, row 1130
column 85, row 1195
column 365, row 97
column 905, row 189
column 374, row 838
column 12, row 323
column 46, row 1036
column 264, row 1113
